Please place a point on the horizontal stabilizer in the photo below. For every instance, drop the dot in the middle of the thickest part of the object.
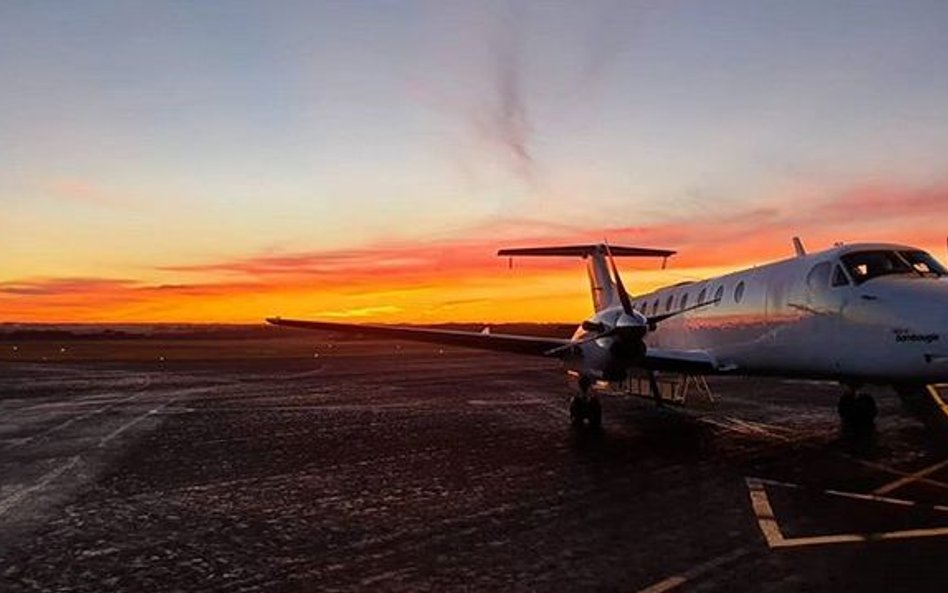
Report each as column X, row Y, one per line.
column 585, row 251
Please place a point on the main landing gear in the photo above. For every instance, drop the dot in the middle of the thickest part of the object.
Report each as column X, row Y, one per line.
column 585, row 411
column 857, row 411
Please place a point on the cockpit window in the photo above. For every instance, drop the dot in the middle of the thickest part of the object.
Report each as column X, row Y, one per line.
column 866, row 265
column 839, row 277
column 923, row 263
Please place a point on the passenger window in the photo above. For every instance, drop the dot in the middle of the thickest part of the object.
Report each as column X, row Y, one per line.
column 668, row 303
column 655, row 307
column 839, row 277
column 702, row 294
column 684, row 300
column 718, row 295
column 739, row 292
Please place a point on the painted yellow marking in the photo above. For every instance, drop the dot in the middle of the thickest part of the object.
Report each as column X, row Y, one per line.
column 895, row 472
column 775, row 538
column 936, row 397
column 844, row 538
column 694, row 572
column 12, row 500
column 764, row 512
column 909, row 478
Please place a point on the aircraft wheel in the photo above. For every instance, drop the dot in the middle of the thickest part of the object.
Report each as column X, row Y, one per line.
column 577, row 411
column 866, row 409
column 846, row 408
column 857, row 411
column 594, row 413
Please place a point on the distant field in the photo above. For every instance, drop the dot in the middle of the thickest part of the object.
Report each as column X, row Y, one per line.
column 95, row 343
column 295, row 345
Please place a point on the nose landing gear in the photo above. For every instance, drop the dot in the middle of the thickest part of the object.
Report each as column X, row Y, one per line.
column 857, row 411
column 585, row 411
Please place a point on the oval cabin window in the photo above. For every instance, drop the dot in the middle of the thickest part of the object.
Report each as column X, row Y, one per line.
column 684, row 300
column 701, row 295
column 718, row 295
column 739, row 292
column 668, row 303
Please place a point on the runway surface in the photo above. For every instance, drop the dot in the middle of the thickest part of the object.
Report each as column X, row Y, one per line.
column 380, row 468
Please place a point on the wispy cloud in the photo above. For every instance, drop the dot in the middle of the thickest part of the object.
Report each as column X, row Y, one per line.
column 360, row 312
column 65, row 286
column 85, row 191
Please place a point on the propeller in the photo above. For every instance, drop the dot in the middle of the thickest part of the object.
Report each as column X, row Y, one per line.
column 620, row 287
column 631, row 326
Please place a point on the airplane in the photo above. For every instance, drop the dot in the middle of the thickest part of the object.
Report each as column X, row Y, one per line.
column 866, row 313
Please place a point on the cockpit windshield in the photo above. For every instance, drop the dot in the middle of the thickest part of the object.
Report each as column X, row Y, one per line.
column 866, row 265
column 924, row 263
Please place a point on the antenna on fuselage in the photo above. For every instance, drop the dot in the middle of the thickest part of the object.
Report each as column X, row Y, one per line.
column 798, row 247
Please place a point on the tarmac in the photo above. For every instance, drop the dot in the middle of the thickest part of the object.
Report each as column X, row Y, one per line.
column 384, row 467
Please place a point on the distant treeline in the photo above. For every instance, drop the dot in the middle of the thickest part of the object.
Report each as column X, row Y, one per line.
column 241, row 332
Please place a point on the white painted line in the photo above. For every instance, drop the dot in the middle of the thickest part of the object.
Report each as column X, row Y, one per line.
column 12, row 500
column 516, row 402
column 775, row 483
column 871, row 498
column 908, row 479
column 855, row 495
column 696, row 571
column 132, row 423
column 71, row 421
column 764, row 429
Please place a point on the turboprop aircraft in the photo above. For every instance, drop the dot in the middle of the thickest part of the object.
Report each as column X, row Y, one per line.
column 868, row 313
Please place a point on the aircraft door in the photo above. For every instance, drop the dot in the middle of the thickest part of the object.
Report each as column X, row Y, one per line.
column 825, row 295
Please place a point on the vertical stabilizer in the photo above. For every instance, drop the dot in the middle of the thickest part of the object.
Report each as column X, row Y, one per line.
column 603, row 289
column 604, row 293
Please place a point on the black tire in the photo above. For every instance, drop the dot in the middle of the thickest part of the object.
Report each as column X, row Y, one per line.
column 577, row 411
column 594, row 414
column 846, row 408
column 866, row 410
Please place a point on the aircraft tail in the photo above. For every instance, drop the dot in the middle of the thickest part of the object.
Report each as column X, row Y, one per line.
column 604, row 293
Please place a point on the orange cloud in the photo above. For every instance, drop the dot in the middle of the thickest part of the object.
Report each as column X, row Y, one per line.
column 462, row 280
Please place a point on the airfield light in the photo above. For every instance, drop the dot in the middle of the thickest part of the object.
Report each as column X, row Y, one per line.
column 316, row 355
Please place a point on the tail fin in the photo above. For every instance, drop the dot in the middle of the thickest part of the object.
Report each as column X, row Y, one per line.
column 603, row 288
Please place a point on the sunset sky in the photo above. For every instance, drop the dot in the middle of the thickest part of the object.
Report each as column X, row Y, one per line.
column 226, row 161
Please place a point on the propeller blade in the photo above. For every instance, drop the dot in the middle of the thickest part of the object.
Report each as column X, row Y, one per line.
column 655, row 320
column 623, row 295
column 621, row 332
column 565, row 347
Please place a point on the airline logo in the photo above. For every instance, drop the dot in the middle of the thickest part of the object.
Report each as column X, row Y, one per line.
column 902, row 335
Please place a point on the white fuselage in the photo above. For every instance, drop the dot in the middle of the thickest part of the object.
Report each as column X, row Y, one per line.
column 811, row 316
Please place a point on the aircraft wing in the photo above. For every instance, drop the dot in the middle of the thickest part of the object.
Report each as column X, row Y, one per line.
column 532, row 345
column 691, row 362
